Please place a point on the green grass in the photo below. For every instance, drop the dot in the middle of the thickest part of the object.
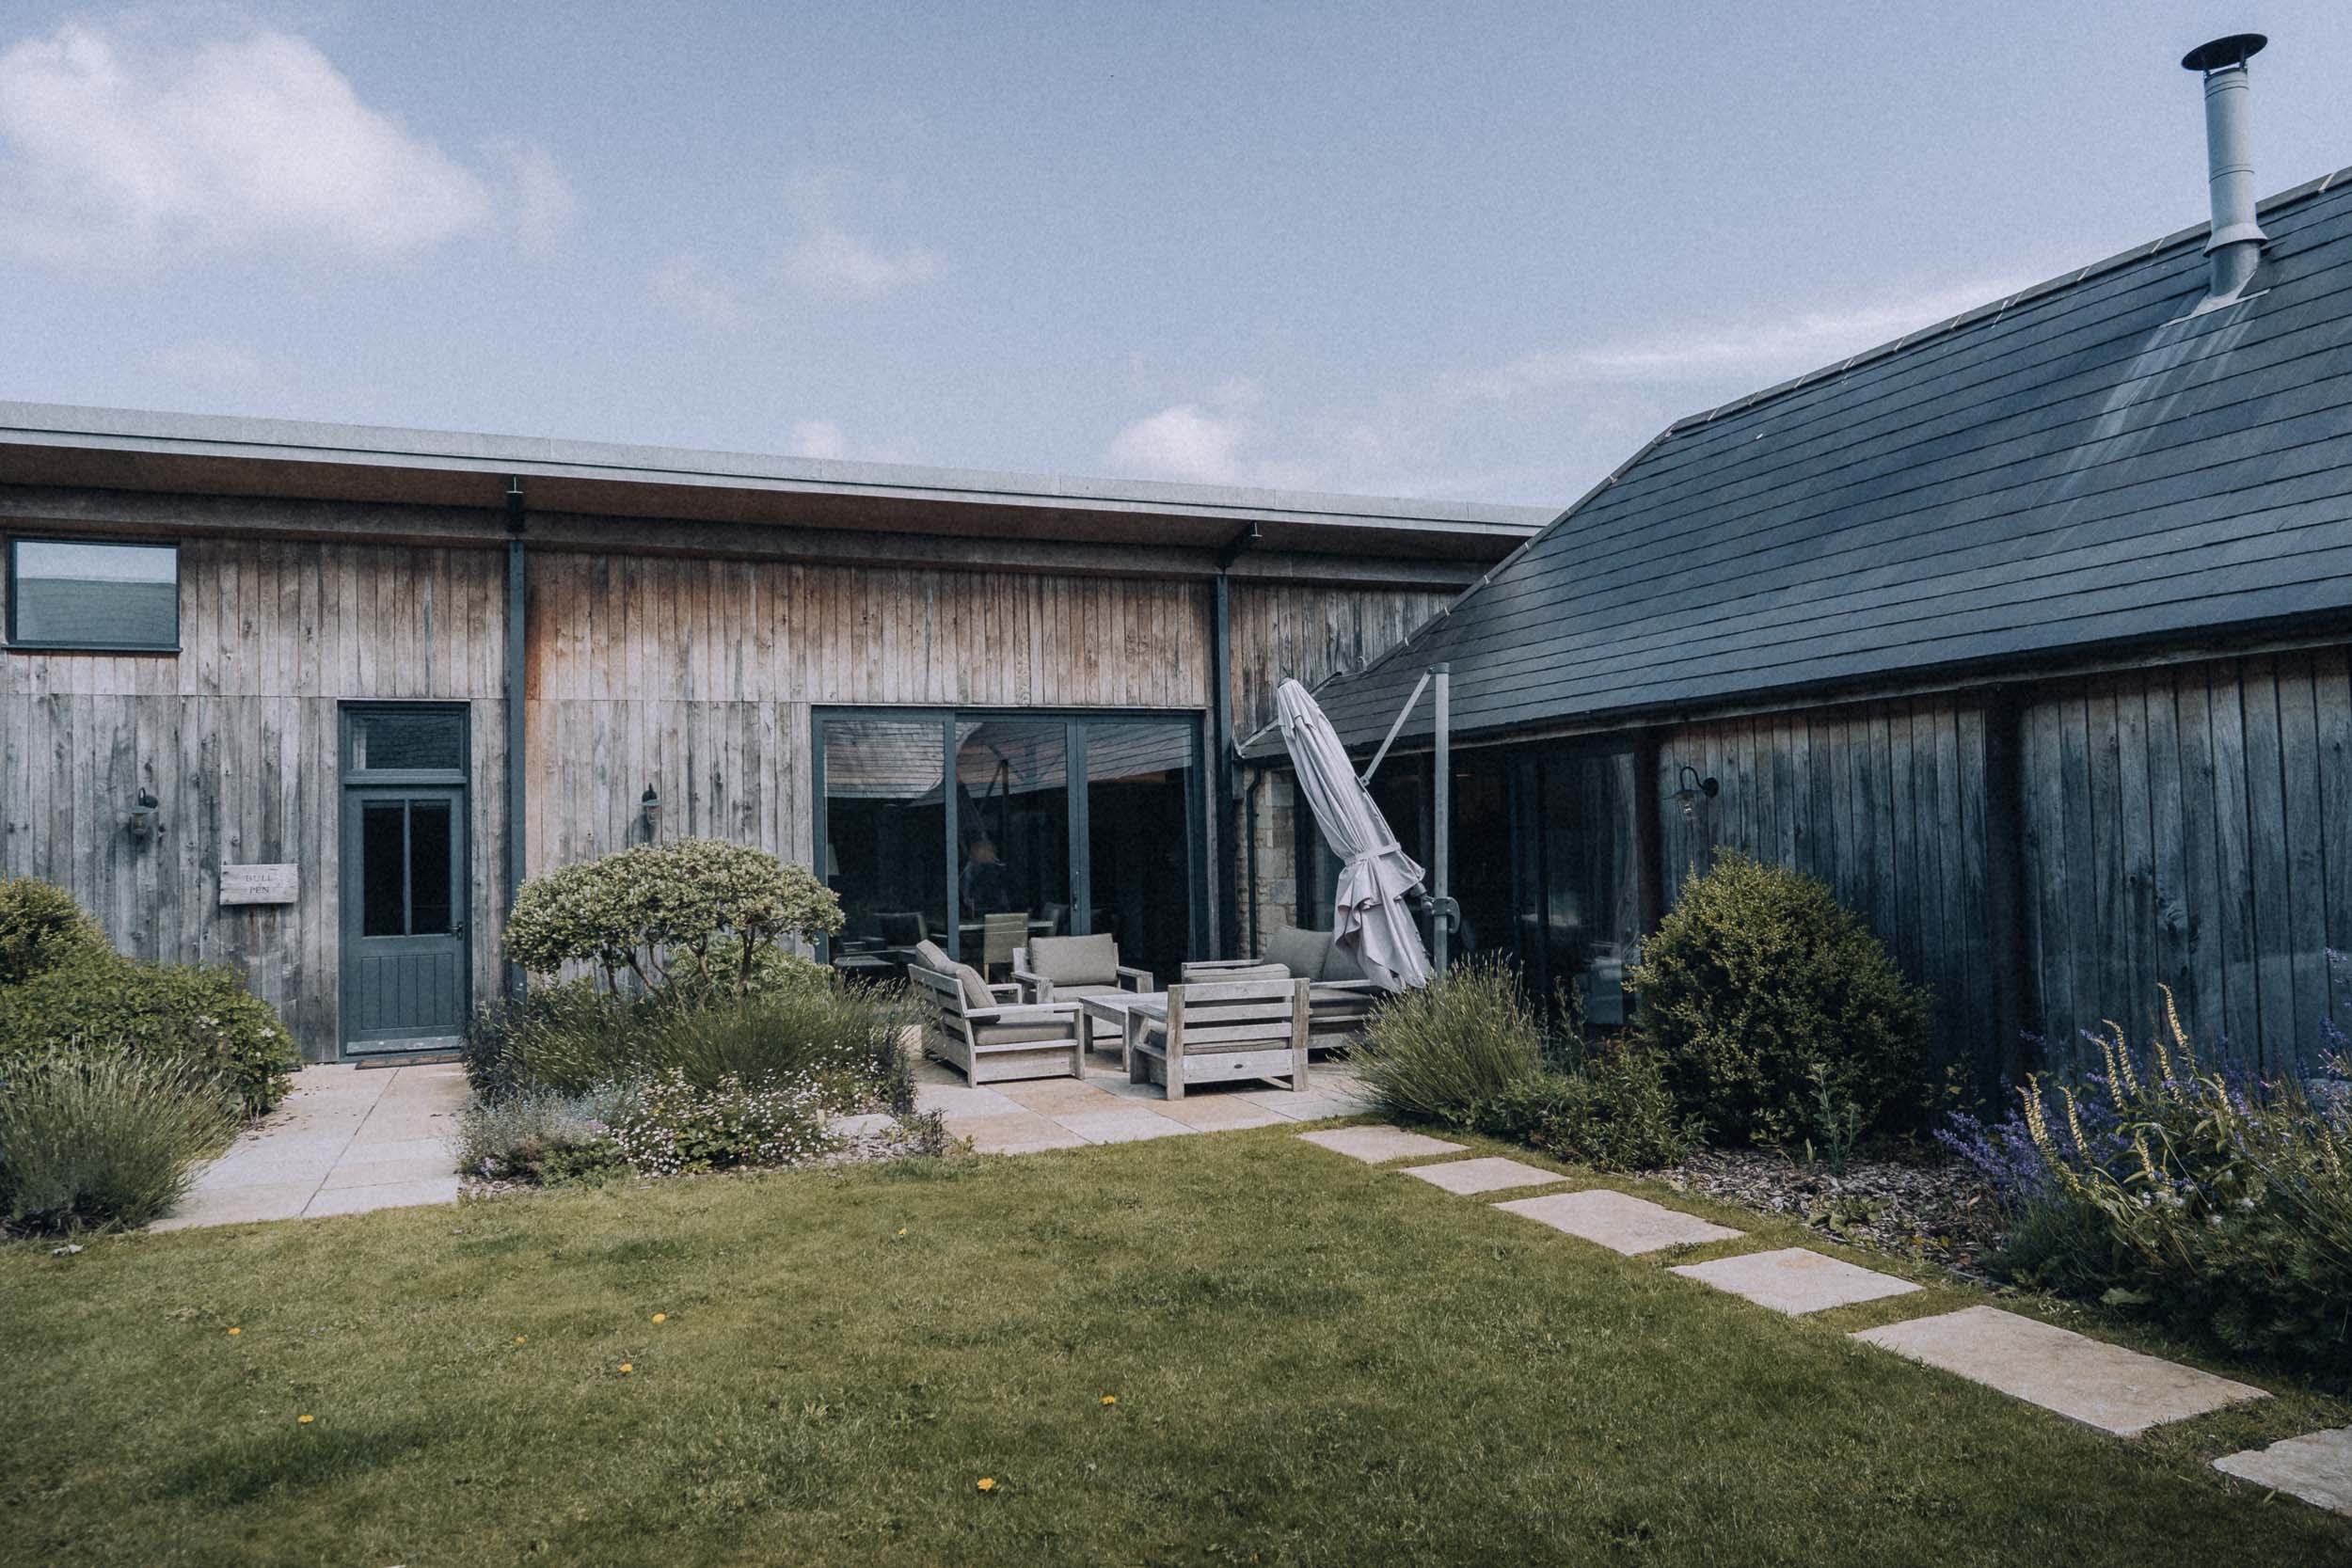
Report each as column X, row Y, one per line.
column 1314, row 1362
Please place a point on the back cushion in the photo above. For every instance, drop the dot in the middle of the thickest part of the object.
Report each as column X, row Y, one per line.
column 1076, row 961
column 1342, row 965
column 975, row 993
column 1301, row 952
column 931, row 956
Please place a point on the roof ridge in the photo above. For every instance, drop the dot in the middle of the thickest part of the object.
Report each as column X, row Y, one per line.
column 1993, row 308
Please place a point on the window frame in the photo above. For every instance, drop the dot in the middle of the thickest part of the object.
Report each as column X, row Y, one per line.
column 178, row 598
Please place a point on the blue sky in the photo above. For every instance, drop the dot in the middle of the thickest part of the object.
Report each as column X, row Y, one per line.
column 1452, row 250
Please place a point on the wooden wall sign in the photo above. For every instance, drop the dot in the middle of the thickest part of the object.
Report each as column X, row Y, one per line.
column 259, row 884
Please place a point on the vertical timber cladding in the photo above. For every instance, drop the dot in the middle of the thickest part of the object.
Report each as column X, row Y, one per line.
column 2192, row 824
column 1885, row 803
column 236, row 735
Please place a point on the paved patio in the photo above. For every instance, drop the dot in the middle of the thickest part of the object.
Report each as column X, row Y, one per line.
column 1028, row 1115
column 345, row 1141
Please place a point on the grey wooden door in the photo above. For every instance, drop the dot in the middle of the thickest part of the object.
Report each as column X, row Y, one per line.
column 403, row 917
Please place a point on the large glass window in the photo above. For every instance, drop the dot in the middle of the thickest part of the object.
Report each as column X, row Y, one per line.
column 1053, row 824
column 80, row 595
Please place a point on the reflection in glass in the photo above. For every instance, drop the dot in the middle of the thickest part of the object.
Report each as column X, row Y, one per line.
column 431, row 907
column 383, row 867
column 1014, row 817
column 1140, row 840
column 885, row 832
column 391, row 741
column 88, row 595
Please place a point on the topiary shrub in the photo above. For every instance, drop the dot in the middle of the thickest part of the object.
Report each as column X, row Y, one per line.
column 41, row 928
column 201, row 1015
column 696, row 910
column 95, row 1143
column 1772, row 1005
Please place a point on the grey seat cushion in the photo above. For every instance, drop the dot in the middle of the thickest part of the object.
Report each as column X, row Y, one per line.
column 1076, row 961
column 931, row 956
column 1343, row 964
column 976, row 991
column 1018, row 1034
column 1301, row 952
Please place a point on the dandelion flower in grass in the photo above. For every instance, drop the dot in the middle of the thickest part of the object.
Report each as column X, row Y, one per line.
column 628, row 1366
column 902, row 1230
column 304, row 1420
column 1110, row 1399
column 661, row 1317
column 988, row 1483
column 236, row 1331
column 518, row 1339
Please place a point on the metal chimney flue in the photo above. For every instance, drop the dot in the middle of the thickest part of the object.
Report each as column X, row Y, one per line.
column 2236, row 245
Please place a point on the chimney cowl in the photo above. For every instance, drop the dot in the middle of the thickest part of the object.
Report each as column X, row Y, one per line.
column 2235, row 245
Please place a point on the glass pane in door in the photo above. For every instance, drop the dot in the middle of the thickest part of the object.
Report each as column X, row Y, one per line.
column 383, row 868
column 1140, row 831
column 432, row 911
column 1012, row 815
column 886, row 832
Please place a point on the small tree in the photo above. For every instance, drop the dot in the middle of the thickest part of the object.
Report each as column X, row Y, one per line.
column 697, row 907
column 1777, row 1012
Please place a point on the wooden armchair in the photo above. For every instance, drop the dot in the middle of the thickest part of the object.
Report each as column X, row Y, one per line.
column 1062, row 969
column 1215, row 1032
column 988, row 1036
column 1336, row 1008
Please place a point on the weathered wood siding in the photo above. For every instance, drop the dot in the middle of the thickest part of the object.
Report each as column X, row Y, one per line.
column 2192, row 825
column 1305, row 632
column 1885, row 803
column 237, row 737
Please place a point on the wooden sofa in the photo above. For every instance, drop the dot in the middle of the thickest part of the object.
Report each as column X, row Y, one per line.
column 1215, row 1032
column 1339, row 997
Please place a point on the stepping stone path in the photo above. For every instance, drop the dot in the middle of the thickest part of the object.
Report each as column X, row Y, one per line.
column 1628, row 1224
column 1468, row 1177
column 2086, row 1380
column 1376, row 1145
column 2317, row 1468
column 1794, row 1280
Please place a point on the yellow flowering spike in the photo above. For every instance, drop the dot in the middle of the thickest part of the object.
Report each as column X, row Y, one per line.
column 628, row 1366
column 661, row 1317
column 304, row 1420
column 1110, row 1399
column 988, row 1483
column 236, row 1331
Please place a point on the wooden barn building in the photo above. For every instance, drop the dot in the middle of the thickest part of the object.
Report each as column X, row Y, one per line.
column 2027, row 632
column 307, row 699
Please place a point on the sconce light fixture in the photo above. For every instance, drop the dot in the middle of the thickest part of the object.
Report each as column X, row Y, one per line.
column 649, row 807
column 1693, row 789
column 146, row 816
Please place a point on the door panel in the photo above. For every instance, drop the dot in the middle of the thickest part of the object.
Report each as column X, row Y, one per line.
column 404, row 961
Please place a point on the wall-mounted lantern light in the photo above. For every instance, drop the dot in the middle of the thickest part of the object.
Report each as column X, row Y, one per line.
column 1693, row 789
column 649, row 807
column 146, row 816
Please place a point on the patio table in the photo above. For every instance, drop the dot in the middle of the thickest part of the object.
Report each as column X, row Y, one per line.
column 1127, row 1011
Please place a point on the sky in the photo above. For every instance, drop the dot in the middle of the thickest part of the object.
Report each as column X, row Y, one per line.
column 1452, row 250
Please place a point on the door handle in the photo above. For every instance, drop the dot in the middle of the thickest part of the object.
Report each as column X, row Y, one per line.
column 458, row 929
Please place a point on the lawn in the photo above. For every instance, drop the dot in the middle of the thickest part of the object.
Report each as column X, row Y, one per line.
column 1313, row 1362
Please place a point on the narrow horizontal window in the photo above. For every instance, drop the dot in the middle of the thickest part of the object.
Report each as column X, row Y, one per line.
column 76, row 594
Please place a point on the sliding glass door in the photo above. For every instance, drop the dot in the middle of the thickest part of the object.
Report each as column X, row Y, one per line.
column 1042, row 824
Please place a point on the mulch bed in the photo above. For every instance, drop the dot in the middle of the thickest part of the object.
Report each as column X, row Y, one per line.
column 1914, row 1207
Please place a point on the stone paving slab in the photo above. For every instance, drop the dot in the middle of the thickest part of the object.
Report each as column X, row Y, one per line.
column 358, row 1172
column 2316, row 1467
column 1122, row 1126
column 1618, row 1221
column 1377, row 1145
column 2103, row 1386
column 1052, row 1095
column 1218, row 1113
column 1017, row 1132
column 238, row 1205
column 960, row 1102
column 1795, row 1280
column 1492, row 1175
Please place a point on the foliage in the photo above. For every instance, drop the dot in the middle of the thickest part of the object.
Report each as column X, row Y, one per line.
column 106, row 1141
column 540, row 1137
column 42, row 928
column 1764, row 996
column 567, row 1040
column 695, row 908
column 676, row 1126
column 2207, row 1198
column 199, row 1014
column 1464, row 1039
column 1468, row 1049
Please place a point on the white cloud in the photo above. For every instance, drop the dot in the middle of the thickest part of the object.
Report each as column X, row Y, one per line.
column 545, row 203
column 1211, row 441
column 687, row 283
column 121, row 151
column 832, row 261
column 1758, row 351
column 209, row 360
column 818, row 438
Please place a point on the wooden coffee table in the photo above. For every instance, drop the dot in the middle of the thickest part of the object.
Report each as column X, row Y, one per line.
column 1125, row 1010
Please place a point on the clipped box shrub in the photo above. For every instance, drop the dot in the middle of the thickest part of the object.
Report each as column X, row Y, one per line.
column 104, row 1142
column 42, row 928
column 1776, row 1008
column 198, row 1015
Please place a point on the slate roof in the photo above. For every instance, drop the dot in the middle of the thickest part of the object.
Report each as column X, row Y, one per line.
column 2074, row 466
